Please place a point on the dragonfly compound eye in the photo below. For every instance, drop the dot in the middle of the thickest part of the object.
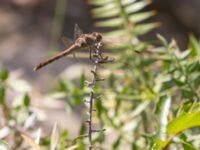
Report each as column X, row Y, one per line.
column 98, row 37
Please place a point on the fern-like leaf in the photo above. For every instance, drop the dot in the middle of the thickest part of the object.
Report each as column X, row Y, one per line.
column 123, row 17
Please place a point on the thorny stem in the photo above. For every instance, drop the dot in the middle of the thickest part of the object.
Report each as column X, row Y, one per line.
column 97, row 59
column 90, row 120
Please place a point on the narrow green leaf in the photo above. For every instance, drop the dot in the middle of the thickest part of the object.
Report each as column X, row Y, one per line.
column 183, row 122
column 192, row 67
column 197, row 80
column 62, row 86
column 136, row 6
column 82, row 81
column 194, row 46
column 109, row 13
column 188, row 146
column 115, row 33
column 2, row 95
column 116, row 144
column 138, row 17
column 62, row 142
column 77, row 96
column 82, row 129
column 162, row 40
column 105, row 8
column 183, row 55
column 118, row 47
column 72, row 147
column 114, row 22
column 159, row 50
column 145, row 28
column 99, row 2
column 187, row 93
column 3, row 74
column 126, row 2
column 26, row 100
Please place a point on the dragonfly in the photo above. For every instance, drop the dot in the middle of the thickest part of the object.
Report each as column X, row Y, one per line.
column 80, row 41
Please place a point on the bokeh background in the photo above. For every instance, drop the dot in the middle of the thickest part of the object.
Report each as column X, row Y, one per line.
column 30, row 31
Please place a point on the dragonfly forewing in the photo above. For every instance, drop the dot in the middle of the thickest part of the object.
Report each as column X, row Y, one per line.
column 67, row 41
column 77, row 31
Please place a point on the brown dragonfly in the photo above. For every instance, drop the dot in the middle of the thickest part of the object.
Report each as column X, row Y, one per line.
column 80, row 41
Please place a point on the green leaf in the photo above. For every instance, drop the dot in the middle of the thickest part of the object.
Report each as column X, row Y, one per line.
column 192, row 67
column 188, row 146
column 26, row 100
column 183, row 55
column 116, row 144
column 126, row 2
column 194, row 46
column 159, row 144
column 62, row 86
column 82, row 81
column 108, row 10
column 134, row 7
column 178, row 82
column 99, row 2
column 77, row 96
column 197, row 80
column 2, row 95
column 114, row 22
column 115, row 33
column 138, row 17
column 187, row 93
column 109, row 13
column 159, row 50
column 62, row 142
column 111, row 80
column 183, row 122
column 73, row 147
column 82, row 129
column 3, row 74
column 162, row 40
column 145, row 28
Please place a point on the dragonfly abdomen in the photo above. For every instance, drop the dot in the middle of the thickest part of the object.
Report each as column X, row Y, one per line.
column 59, row 55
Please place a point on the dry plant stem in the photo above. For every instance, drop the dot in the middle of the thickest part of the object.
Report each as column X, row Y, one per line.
column 90, row 120
column 96, row 59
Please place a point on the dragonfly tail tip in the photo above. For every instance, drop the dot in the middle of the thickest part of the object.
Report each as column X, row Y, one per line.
column 35, row 69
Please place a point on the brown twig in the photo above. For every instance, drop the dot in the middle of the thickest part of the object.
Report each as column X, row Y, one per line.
column 97, row 59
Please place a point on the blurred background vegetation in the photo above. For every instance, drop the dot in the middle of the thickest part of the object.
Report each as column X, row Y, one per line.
column 150, row 98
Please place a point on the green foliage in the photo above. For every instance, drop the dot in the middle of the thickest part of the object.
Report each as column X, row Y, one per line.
column 17, row 115
column 147, row 94
column 125, row 20
column 183, row 122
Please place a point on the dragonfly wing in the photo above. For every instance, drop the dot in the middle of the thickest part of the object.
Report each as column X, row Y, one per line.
column 67, row 41
column 77, row 31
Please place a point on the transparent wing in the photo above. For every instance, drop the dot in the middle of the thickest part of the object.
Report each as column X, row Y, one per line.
column 67, row 41
column 77, row 31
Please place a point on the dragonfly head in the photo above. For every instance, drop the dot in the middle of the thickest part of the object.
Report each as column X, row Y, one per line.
column 98, row 36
